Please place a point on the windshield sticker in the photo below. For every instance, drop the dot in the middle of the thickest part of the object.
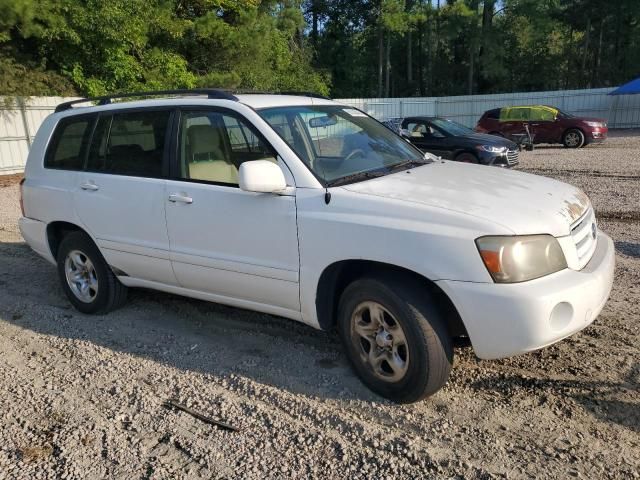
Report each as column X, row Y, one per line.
column 353, row 112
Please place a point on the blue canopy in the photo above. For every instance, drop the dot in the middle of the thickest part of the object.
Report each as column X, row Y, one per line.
column 628, row 88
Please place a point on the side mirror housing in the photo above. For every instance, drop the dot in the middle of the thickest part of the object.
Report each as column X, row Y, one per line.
column 261, row 176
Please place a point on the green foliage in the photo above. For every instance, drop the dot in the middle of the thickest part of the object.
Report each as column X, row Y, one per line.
column 343, row 47
column 100, row 46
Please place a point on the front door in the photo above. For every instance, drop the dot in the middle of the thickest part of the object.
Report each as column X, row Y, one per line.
column 120, row 197
column 428, row 138
column 513, row 121
column 238, row 246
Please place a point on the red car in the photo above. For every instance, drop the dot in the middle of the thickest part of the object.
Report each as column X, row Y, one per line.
column 545, row 125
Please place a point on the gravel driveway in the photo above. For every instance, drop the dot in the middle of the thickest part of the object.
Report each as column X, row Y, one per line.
column 82, row 396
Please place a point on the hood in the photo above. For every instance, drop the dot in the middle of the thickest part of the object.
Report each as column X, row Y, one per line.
column 522, row 203
column 590, row 119
column 486, row 139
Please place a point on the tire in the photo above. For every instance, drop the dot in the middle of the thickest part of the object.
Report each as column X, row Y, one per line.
column 422, row 349
column 466, row 157
column 79, row 259
column 573, row 138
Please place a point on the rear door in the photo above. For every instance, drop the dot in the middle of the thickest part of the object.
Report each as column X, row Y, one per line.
column 120, row 197
column 241, row 247
column 543, row 124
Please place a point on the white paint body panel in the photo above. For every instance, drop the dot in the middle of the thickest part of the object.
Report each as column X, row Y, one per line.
column 267, row 252
column 235, row 243
column 126, row 218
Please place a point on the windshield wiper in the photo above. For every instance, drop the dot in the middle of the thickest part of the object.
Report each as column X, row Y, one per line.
column 355, row 177
column 407, row 164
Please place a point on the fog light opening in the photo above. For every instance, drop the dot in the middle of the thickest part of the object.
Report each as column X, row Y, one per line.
column 561, row 316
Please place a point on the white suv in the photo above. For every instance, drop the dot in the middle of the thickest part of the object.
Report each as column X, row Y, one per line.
column 302, row 207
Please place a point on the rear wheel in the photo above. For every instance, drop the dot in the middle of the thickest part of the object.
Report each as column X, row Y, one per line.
column 573, row 138
column 395, row 338
column 466, row 157
column 86, row 278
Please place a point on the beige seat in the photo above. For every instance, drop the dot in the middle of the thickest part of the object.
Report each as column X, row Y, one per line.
column 206, row 157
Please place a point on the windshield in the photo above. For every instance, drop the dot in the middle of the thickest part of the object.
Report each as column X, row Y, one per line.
column 452, row 128
column 341, row 144
column 562, row 114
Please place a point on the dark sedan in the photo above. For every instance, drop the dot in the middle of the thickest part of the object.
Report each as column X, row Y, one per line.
column 451, row 140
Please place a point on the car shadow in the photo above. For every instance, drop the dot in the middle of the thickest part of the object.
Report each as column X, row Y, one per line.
column 628, row 248
column 188, row 334
column 607, row 401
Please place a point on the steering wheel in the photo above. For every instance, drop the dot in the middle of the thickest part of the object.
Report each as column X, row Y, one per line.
column 357, row 151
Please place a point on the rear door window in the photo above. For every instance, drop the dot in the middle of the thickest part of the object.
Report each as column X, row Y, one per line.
column 68, row 146
column 130, row 143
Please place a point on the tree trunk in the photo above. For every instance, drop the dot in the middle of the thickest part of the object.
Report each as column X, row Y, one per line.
column 409, row 58
column 471, row 66
column 586, row 49
column 421, row 61
column 380, row 58
column 487, row 20
column 595, row 74
column 472, row 47
column 314, row 23
column 388, row 66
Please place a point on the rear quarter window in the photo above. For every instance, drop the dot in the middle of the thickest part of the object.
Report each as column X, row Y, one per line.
column 69, row 143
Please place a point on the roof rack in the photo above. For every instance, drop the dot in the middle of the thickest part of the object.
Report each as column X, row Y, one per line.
column 211, row 93
column 271, row 92
column 306, row 94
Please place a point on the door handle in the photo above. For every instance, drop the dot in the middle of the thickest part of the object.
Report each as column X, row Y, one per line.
column 90, row 186
column 174, row 197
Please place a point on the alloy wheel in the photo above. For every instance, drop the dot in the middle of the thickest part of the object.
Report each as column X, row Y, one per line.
column 81, row 276
column 380, row 341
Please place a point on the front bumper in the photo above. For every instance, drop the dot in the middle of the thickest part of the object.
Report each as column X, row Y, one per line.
column 510, row 319
column 507, row 159
column 597, row 135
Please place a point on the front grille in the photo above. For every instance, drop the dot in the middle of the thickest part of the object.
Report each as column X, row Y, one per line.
column 512, row 157
column 583, row 234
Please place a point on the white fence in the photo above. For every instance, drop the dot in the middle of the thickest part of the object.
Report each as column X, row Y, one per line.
column 620, row 111
column 21, row 117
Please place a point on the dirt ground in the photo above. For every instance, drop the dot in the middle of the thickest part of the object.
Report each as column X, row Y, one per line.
column 82, row 396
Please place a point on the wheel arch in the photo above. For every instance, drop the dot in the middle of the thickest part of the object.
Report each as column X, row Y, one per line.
column 460, row 151
column 567, row 129
column 56, row 231
column 337, row 276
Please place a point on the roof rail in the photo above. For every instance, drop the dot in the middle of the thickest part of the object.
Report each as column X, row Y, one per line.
column 271, row 92
column 211, row 93
column 306, row 94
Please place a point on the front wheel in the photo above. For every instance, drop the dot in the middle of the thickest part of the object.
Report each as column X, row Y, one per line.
column 395, row 338
column 86, row 278
column 573, row 138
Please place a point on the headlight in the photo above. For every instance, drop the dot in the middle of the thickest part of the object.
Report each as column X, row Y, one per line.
column 521, row 258
column 491, row 149
column 595, row 124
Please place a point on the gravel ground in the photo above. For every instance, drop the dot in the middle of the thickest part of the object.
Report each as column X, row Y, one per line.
column 83, row 396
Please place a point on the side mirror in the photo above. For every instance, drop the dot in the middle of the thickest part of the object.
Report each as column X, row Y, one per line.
column 405, row 133
column 261, row 176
